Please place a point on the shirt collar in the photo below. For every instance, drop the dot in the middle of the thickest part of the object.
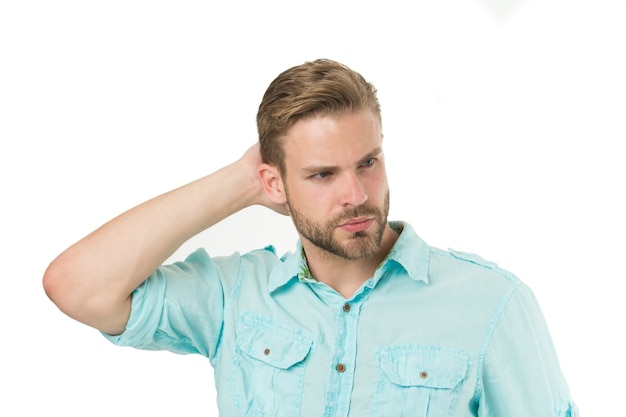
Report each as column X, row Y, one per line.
column 292, row 266
column 409, row 252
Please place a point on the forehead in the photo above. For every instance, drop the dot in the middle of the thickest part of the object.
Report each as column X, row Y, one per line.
column 332, row 139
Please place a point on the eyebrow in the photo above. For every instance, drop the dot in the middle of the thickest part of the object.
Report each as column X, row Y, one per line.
column 314, row 169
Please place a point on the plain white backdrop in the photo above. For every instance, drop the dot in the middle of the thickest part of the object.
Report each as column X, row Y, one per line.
column 504, row 125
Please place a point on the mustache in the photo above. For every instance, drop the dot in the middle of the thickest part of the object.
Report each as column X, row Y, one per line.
column 355, row 212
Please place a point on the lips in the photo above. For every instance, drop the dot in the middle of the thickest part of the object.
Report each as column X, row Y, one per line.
column 356, row 225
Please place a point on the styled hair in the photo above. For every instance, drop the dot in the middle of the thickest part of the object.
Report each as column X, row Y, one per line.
column 321, row 87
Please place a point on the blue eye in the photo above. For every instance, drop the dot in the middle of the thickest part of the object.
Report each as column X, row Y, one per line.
column 369, row 162
column 322, row 175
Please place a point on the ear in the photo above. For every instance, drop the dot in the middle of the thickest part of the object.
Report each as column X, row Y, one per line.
column 272, row 183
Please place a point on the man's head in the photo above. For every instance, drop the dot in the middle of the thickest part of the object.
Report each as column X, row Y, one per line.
column 321, row 87
column 321, row 142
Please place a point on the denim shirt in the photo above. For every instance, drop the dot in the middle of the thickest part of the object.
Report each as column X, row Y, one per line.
column 433, row 333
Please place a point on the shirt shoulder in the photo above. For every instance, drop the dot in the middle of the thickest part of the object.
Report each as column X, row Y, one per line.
column 471, row 269
column 266, row 255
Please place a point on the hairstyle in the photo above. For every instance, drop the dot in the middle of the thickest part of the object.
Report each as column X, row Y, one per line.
column 320, row 87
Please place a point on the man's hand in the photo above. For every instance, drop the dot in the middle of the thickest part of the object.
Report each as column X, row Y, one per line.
column 251, row 165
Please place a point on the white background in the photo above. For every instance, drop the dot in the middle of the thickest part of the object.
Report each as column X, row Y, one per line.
column 504, row 126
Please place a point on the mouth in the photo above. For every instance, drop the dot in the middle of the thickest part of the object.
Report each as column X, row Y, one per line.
column 357, row 224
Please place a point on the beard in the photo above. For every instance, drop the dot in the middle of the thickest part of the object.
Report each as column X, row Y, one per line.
column 359, row 245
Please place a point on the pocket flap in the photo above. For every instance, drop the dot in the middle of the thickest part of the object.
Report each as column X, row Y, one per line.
column 273, row 345
column 424, row 366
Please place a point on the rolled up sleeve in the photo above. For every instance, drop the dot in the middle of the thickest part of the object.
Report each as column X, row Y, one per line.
column 521, row 375
column 180, row 307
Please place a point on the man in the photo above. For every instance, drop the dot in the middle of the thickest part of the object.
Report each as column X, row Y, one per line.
column 363, row 319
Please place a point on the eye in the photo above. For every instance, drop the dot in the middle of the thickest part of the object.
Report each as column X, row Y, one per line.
column 368, row 162
column 321, row 175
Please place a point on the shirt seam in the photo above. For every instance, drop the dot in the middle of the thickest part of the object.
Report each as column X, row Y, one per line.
column 487, row 340
column 227, row 301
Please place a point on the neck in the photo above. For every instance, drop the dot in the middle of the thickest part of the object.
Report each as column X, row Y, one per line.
column 344, row 275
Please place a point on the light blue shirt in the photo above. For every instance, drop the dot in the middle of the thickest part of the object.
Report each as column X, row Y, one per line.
column 433, row 333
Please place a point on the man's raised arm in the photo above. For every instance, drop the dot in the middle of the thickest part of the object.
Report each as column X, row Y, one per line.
column 92, row 281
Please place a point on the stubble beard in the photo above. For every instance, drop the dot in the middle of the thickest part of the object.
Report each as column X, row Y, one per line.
column 360, row 245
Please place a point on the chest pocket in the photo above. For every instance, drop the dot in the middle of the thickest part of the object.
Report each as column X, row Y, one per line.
column 268, row 372
column 418, row 381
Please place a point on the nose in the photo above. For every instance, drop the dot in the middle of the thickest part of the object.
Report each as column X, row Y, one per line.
column 353, row 191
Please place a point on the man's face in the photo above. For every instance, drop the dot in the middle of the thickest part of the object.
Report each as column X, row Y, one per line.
column 336, row 184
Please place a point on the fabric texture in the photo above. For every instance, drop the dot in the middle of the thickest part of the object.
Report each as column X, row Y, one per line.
column 433, row 333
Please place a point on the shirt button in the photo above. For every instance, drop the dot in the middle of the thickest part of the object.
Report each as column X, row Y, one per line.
column 346, row 308
column 424, row 374
column 266, row 352
column 341, row 367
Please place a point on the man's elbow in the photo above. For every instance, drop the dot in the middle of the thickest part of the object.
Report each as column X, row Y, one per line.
column 55, row 285
column 73, row 291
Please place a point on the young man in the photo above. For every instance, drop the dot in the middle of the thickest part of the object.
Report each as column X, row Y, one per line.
column 363, row 319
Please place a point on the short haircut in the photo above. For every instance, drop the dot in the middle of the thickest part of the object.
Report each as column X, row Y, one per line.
column 320, row 87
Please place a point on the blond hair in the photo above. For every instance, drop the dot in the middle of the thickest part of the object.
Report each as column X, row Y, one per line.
column 320, row 87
